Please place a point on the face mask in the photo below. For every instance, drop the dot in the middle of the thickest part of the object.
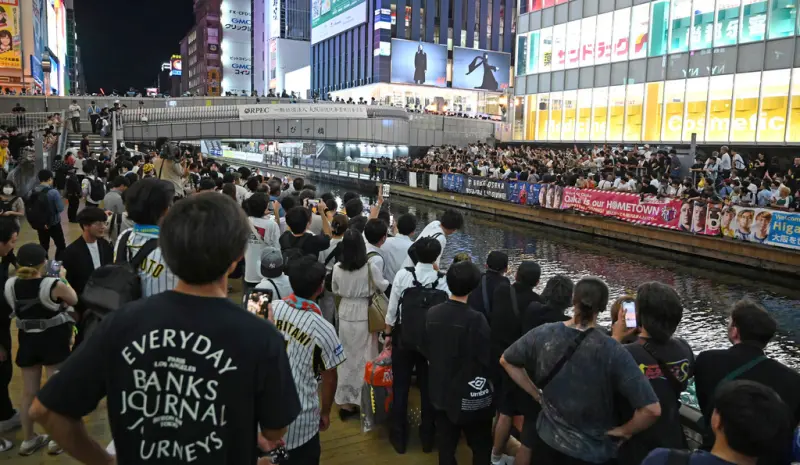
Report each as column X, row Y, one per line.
column 8, row 190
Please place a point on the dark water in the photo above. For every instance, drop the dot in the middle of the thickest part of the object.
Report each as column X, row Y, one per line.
column 707, row 295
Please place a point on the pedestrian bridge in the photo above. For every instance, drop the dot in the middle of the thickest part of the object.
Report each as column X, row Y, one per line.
column 375, row 124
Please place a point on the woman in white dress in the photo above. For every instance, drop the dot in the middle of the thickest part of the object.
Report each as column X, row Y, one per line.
column 351, row 282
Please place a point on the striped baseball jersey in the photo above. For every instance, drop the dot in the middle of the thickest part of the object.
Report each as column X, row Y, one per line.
column 312, row 347
column 155, row 275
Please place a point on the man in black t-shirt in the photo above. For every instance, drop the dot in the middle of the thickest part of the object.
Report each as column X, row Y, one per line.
column 658, row 313
column 296, row 241
column 188, row 375
column 9, row 417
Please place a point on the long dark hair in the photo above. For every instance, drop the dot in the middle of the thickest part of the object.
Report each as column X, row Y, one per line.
column 354, row 251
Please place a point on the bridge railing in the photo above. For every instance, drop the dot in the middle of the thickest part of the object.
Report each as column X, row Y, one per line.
column 25, row 122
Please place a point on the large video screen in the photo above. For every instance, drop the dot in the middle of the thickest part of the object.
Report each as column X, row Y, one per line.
column 331, row 17
column 419, row 63
column 480, row 69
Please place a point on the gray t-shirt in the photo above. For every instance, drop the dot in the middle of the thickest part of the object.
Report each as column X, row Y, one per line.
column 578, row 407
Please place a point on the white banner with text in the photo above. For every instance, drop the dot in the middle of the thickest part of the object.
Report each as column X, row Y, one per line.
column 301, row 111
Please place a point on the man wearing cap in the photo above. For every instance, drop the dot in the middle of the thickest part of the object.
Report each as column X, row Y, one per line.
column 480, row 299
column 272, row 274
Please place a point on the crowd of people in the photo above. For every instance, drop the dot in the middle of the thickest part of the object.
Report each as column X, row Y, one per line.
column 724, row 176
column 328, row 287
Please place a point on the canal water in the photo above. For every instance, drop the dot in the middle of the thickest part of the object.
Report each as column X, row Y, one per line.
column 707, row 294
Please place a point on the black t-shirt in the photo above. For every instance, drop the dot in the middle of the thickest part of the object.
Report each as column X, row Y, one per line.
column 188, row 379
column 477, row 300
column 310, row 243
column 539, row 313
column 506, row 326
column 666, row 431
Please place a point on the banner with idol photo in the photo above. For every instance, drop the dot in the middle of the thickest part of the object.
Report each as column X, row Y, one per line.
column 762, row 226
column 522, row 193
column 651, row 211
column 453, row 182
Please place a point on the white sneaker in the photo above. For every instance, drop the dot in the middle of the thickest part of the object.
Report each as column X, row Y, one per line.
column 503, row 460
column 30, row 447
column 10, row 424
column 53, row 448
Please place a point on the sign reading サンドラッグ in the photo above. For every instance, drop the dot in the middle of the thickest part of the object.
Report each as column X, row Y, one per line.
column 300, row 111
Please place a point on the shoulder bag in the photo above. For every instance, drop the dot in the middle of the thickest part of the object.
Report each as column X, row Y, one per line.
column 378, row 305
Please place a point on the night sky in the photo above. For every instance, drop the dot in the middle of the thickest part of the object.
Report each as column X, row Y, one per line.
column 123, row 43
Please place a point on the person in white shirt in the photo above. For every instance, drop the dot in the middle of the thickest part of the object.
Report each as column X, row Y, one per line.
column 606, row 184
column 75, row 116
column 451, row 221
column 738, row 162
column 92, row 191
column 272, row 274
column 265, row 232
column 647, row 152
column 395, row 249
column 725, row 162
column 375, row 232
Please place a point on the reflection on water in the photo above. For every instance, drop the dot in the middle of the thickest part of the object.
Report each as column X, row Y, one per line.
column 706, row 295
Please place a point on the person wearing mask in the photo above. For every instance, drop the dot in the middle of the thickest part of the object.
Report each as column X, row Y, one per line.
column 272, row 273
column 265, row 232
column 749, row 421
column 314, row 354
column 406, row 360
column 75, row 116
column 750, row 329
column 39, row 304
column 147, row 203
column 9, row 417
column 354, row 280
column 450, row 222
column 236, row 359
column 577, row 370
column 666, row 361
column 509, row 302
column 395, row 249
column 456, row 343
column 113, row 203
column 492, row 278
column 51, row 202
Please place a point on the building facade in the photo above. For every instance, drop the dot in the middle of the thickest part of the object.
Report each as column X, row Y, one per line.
column 722, row 71
column 281, row 43
column 75, row 79
column 452, row 54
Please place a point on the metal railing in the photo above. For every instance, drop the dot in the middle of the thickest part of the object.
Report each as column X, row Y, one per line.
column 26, row 122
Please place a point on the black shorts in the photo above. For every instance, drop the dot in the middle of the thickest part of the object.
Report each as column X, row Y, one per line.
column 509, row 397
column 307, row 454
column 529, row 435
column 543, row 454
column 47, row 348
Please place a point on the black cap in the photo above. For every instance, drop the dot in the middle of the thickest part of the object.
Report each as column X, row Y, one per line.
column 31, row 255
column 497, row 261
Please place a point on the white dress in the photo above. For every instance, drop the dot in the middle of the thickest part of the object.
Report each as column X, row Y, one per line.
column 358, row 343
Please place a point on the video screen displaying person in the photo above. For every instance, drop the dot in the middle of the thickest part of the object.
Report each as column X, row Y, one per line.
column 489, row 81
column 420, row 65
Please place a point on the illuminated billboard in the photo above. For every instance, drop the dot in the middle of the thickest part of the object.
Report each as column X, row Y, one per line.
column 10, row 55
column 237, row 63
column 419, row 63
column 175, row 65
column 744, row 108
column 481, row 69
column 331, row 17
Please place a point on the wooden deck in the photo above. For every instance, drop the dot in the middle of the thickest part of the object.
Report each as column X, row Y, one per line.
column 343, row 443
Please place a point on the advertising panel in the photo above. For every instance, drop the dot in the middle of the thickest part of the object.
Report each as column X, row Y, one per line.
column 587, row 41
column 481, row 69
column 602, row 41
column 681, row 26
column 573, row 45
column 38, row 31
column 545, row 50
column 522, row 54
column 10, row 55
column 287, row 110
column 559, row 47
column 726, row 24
column 175, row 65
column 659, row 28
column 754, row 21
column 619, row 40
column 453, row 182
column 236, row 20
column 650, row 211
column 331, row 17
column 782, row 18
column 762, row 226
column 523, row 193
column 274, row 15
column 640, row 27
column 702, row 24
column 419, row 63
column 533, row 53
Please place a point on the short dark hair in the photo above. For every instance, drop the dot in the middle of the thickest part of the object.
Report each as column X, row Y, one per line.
column 349, row 195
column 297, row 219
column 385, row 216
column 754, row 419
column 331, row 205
column 463, row 278
column 528, row 273
column 354, row 252
column 147, row 200
column 658, row 310
column 306, row 194
column 755, row 325
column 288, row 203
column 590, row 297
column 298, row 183
column 557, row 292
column 359, row 223
column 206, row 184
column 428, row 249
column 306, row 276
column 202, row 236
column 252, row 184
column 406, row 224
column 8, row 227
column 120, row 181
column 353, row 207
column 452, row 219
column 256, row 205
column 9, row 182
column 90, row 215
column 497, row 261
column 45, row 175
column 274, row 187
column 375, row 230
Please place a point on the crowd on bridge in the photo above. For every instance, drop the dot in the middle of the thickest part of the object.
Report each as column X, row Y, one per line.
column 332, row 291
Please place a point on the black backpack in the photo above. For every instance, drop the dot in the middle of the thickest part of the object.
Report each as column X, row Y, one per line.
column 412, row 251
column 8, row 206
column 413, row 308
column 292, row 247
column 333, row 257
column 73, row 186
column 98, row 190
column 38, row 210
column 112, row 286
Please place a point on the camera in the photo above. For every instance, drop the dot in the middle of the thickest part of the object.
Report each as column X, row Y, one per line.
column 167, row 149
